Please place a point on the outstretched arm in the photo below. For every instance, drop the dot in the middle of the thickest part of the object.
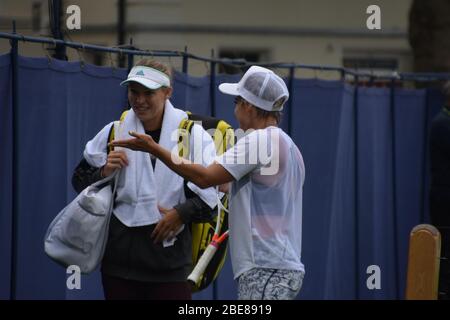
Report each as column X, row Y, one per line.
column 204, row 177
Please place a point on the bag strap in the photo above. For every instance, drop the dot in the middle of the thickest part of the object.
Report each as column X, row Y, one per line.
column 107, row 179
column 223, row 137
column 184, row 130
column 115, row 174
column 111, row 134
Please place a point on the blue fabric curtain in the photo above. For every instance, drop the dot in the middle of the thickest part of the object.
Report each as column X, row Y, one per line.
column 61, row 106
column 375, row 220
column 365, row 154
column 322, row 127
column 5, row 175
column 410, row 148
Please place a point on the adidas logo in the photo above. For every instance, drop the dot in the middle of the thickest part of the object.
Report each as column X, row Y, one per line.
column 140, row 73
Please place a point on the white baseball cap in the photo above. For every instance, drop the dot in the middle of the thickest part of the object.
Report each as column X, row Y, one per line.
column 261, row 87
column 148, row 77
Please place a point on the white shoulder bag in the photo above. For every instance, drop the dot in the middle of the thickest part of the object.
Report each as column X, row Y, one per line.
column 78, row 234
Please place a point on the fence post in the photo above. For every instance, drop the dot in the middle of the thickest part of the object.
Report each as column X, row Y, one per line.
column 356, row 202
column 121, row 29
column 130, row 56
column 290, row 103
column 342, row 73
column 212, row 87
column 60, row 49
column 425, row 152
column 394, row 185
column 15, row 161
column 422, row 280
column 185, row 61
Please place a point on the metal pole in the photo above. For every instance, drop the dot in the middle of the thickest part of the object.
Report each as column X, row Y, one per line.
column 130, row 56
column 121, row 25
column 421, row 77
column 425, row 153
column 212, row 88
column 77, row 45
column 184, row 94
column 185, row 61
column 356, row 200
column 60, row 49
column 130, row 59
column 290, row 103
column 394, row 184
column 15, row 163
column 342, row 73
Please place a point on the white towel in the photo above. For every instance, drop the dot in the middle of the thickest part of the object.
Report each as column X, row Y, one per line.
column 138, row 197
column 136, row 201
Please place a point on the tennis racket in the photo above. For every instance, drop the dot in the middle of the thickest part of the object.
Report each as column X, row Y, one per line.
column 212, row 247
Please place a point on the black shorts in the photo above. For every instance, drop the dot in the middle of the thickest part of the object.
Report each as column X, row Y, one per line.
column 131, row 254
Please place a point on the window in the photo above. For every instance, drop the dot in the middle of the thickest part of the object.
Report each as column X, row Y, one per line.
column 371, row 63
column 248, row 55
column 379, row 61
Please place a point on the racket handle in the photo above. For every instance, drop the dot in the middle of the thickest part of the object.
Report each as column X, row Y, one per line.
column 202, row 263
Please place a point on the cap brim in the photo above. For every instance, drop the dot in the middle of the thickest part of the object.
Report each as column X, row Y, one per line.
column 152, row 85
column 229, row 88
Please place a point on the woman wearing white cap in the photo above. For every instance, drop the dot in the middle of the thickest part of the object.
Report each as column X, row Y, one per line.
column 148, row 253
column 267, row 174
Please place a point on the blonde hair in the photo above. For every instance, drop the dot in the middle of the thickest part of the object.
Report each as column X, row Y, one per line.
column 146, row 62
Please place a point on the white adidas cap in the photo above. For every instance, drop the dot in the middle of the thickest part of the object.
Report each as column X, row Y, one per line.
column 148, row 77
column 261, row 87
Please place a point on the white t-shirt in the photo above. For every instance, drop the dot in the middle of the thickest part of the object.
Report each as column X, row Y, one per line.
column 266, row 201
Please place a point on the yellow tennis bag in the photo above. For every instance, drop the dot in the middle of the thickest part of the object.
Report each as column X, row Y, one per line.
column 223, row 136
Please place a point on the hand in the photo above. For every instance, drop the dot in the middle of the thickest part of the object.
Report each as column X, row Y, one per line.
column 224, row 187
column 167, row 226
column 142, row 142
column 116, row 160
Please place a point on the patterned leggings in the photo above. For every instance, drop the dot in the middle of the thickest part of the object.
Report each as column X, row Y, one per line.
column 270, row 284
